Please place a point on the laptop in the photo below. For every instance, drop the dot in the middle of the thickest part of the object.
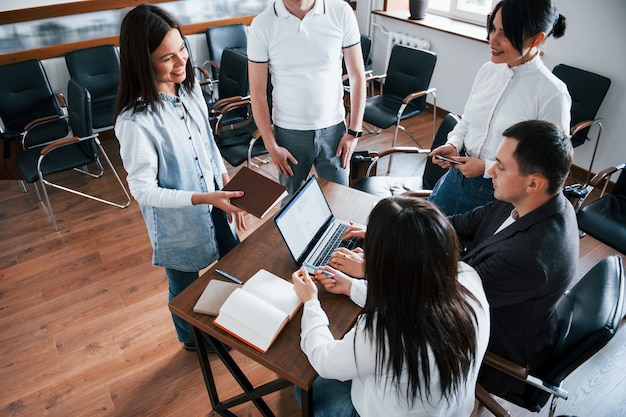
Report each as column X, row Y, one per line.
column 308, row 227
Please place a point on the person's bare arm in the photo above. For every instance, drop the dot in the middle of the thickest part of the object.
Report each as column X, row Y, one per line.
column 281, row 157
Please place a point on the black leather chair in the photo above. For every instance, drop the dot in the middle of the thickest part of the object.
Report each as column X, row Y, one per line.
column 233, row 90
column 234, row 124
column 588, row 315
column 218, row 38
column 605, row 218
column 71, row 153
column 587, row 90
column 97, row 69
column 32, row 114
column 385, row 186
column 203, row 76
column 406, row 85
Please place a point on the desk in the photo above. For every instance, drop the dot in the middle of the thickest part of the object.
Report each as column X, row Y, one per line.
column 264, row 248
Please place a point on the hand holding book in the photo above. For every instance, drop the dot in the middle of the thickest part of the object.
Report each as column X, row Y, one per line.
column 261, row 193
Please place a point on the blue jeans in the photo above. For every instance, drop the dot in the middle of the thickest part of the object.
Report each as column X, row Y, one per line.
column 313, row 147
column 331, row 398
column 179, row 280
column 455, row 194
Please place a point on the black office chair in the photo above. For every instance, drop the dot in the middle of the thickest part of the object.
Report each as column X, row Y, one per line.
column 386, row 186
column 218, row 38
column 233, row 90
column 406, row 85
column 587, row 91
column 605, row 218
column 97, row 69
column 203, row 76
column 588, row 316
column 71, row 153
column 32, row 114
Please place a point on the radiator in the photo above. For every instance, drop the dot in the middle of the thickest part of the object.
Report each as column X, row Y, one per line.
column 404, row 39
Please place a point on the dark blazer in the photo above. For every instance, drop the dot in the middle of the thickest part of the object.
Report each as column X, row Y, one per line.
column 525, row 268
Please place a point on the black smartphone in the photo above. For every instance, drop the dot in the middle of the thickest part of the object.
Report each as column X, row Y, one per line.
column 452, row 161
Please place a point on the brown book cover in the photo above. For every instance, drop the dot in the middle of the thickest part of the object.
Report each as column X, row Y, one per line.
column 261, row 193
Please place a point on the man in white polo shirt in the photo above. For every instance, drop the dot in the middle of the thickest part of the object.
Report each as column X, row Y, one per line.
column 300, row 44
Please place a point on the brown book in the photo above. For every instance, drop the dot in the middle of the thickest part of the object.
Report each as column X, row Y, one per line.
column 260, row 193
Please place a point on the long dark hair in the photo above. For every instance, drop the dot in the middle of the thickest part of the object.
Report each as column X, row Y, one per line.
column 414, row 299
column 524, row 19
column 142, row 31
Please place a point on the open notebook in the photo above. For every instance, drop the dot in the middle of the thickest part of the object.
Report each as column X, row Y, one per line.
column 309, row 227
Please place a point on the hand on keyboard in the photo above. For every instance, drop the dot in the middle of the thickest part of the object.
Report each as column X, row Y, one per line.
column 351, row 262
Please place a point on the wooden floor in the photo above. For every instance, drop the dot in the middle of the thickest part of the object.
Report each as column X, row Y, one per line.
column 85, row 329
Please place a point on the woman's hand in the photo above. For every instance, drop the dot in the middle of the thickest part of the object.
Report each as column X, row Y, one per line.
column 355, row 230
column 240, row 218
column 472, row 167
column 448, row 151
column 336, row 282
column 351, row 262
column 221, row 200
column 304, row 286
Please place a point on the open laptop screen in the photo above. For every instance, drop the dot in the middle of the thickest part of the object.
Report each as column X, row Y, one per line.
column 303, row 218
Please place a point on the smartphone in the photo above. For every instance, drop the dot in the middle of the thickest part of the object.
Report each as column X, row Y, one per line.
column 452, row 161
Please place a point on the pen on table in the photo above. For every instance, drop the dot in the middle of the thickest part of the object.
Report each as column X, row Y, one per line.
column 308, row 265
column 229, row 276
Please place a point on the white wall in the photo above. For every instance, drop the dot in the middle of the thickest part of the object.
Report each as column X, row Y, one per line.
column 593, row 41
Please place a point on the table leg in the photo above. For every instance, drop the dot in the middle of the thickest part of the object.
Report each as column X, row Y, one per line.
column 307, row 403
column 250, row 392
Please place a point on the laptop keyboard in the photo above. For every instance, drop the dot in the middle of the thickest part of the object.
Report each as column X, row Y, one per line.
column 334, row 242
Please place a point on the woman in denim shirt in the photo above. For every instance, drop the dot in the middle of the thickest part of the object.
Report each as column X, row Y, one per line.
column 174, row 168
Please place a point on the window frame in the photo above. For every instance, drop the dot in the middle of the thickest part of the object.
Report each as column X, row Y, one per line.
column 458, row 14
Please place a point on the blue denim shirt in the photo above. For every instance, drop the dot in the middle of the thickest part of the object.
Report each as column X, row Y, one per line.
column 164, row 171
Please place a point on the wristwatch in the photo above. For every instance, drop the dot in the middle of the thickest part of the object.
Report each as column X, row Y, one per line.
column 355, row 133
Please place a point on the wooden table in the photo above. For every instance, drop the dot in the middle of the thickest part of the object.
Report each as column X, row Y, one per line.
column 264, row 248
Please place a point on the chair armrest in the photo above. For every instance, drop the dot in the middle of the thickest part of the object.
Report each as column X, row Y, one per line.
column 418, row 94
column 376, row 155
column 584, row 191
column 370, row 77
column 42, row 120
column 219, row 106
column 400, row 149
column 61, row 99
column 58, row 144
column 605, row 173
column 521, row 373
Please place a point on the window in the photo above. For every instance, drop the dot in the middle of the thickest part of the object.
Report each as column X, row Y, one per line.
column 474, row 11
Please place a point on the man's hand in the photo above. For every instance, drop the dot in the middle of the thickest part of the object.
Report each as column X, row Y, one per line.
column 281, row 157
column 346, row 148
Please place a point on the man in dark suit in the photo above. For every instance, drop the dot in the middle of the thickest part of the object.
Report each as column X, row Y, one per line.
column 525, row 246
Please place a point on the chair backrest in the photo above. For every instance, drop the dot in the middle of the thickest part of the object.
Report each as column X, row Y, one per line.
column 432, row 172
column 97, row 68
column 620, row 184
column 218, row 38
column 26, row 95
column 588, row 316
column 233, row 74
column 587, row 90
column 79, row 110
column 409, row 70
column 366, row 49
